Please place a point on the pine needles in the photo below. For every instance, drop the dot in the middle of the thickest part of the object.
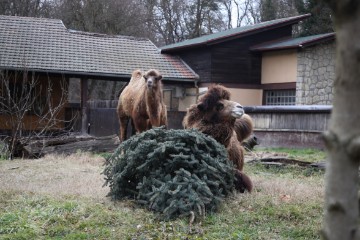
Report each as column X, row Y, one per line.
column 172, row 172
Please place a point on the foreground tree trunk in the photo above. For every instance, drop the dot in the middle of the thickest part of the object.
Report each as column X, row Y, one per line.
column 343, row 138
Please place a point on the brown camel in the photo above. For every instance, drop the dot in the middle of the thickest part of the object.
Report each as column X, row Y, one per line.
column 142, row 102
column 226, row 122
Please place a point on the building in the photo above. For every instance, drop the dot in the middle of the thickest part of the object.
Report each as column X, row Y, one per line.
column 45, row 49
column 262, row 64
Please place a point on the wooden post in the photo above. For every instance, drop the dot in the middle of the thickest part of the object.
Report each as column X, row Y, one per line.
column 84, row 110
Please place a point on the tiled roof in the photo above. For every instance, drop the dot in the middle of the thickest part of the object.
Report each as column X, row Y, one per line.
column 234, row 33
column 40, row 44
column 294, row 42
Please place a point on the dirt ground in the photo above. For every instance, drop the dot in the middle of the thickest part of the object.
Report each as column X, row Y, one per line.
column 78, row 174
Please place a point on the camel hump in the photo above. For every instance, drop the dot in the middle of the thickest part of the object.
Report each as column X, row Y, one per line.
column 244, row 127
column 136, row 74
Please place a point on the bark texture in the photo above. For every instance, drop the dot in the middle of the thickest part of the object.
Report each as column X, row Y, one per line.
column 343, row 137
column 70, row 144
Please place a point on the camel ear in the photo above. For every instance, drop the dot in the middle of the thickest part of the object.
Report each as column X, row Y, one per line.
column 201, row 107
column 159, row 77
column 144, row 76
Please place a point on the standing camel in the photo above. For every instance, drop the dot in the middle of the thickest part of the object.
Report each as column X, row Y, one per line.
column 142, row 102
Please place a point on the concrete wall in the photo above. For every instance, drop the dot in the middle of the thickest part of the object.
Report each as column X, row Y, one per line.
column 246, row 97
column 316, row 75
column 189, row 99
column 279, row 67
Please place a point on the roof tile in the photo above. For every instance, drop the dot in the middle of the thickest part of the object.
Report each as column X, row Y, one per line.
column 46, row 45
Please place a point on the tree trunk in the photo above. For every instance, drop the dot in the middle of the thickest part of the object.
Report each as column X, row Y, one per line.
column 343, row 137
column 71, row 144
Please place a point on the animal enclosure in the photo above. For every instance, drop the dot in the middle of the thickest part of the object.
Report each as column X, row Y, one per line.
column 290, row 126
column 280, row 126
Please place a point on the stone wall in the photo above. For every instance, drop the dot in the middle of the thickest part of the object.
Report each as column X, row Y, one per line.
column 316, row 75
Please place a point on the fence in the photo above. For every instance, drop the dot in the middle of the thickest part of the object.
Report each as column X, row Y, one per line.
column 290, row 126
column 275, row 126
column 103, row 119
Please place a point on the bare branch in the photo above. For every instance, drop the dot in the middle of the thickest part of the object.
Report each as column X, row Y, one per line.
column 30, row 108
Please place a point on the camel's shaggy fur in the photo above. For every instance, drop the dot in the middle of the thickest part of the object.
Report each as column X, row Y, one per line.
column 142, row 102
column 224, row 120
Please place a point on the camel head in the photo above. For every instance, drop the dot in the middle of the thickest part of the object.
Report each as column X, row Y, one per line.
column 222, row 110
column 216, row 106
column 152, row 78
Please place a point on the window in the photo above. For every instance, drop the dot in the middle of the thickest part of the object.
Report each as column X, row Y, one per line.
column 280, row 97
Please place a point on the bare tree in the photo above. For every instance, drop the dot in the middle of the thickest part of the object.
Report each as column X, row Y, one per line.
column 343, row 137
column 28, row 108
column 228, row 7
column 175, row 20
column 166, row 18
column 241, row 12
column 117, row 17
column 28, row 8
column 245, row 12
column 204, row 17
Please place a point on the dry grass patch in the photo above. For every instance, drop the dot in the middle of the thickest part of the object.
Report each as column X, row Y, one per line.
column 78, row 174
column 59, row 197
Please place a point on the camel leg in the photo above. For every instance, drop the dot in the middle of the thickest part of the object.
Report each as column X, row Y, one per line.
column 123, row 127
column 163, row 118
column 140, row 125
column 133, row 129
column 148, row 123
column 155, row 121
column 236, row 154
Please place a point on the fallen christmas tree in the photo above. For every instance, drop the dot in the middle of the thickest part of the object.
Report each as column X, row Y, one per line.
column 172, row 172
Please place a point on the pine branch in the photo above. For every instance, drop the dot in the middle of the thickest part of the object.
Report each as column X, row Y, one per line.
column 172, row 172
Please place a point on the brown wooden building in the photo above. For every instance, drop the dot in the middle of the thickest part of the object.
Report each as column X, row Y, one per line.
column 258, row 63
column 261, row 64
column 45, row 49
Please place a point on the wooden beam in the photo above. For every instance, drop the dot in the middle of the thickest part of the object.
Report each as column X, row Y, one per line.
column 84, row 108
column 279, row 86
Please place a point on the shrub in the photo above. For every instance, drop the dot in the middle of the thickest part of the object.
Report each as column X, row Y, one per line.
column 4, row 150
column 172, row 172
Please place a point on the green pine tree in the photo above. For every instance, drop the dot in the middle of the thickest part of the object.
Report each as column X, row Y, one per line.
column 172, row 172
column 321, row 17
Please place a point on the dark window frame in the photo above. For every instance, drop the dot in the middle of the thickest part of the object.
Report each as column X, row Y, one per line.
column 279, row 97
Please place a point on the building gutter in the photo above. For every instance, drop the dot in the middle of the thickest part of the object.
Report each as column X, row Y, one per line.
column 94, row 75
column 289, row 109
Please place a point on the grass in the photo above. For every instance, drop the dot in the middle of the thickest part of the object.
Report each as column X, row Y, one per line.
column 4, row 153
column 307, row 154
column 31, row 216
column 286, row 204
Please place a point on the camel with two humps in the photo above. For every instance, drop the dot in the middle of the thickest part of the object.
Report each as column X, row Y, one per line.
column 141, row 101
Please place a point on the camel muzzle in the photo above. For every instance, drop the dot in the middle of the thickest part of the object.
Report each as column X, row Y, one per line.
column 149, row 84
column 237, row 111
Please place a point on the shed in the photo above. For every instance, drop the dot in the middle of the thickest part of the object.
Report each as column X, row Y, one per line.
column 46, row 49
